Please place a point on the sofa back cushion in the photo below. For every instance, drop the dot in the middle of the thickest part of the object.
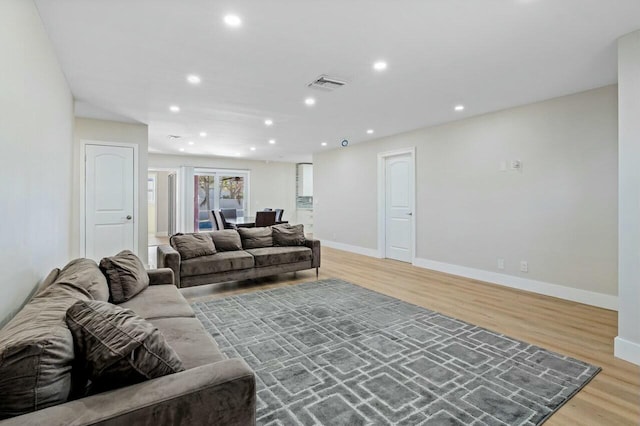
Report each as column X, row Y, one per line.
column 193, row 245
column 227, row 240
column 84, row 274
column 288, row 235
column 116, row 347
column 36, row 346
column 125, row 274
column 256, row 237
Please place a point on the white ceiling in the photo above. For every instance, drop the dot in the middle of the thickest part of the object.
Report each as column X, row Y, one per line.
column 128, row 60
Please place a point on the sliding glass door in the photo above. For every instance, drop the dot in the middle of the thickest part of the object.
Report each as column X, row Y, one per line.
column 226, row 190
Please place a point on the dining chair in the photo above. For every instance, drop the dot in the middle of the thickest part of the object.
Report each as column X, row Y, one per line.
column 220, row 222
column 214, row 221
column 229, row 213
column 279, row 213
column 265, row 219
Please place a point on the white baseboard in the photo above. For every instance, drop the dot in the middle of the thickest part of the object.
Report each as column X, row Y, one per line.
column 353, row 249
column 627, row 350
column 600, row 300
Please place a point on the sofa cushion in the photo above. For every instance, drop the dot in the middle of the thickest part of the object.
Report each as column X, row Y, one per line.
column 37, row 352
column 270, row 256
column 288, row 235
column 227, row 240
column 50, row 279
column 84, row 274
column 219, row 262
column 193, row 344
column 159, row 301
column 256, row 237
column 115, row 347
column 193, row 245
column 125, row 274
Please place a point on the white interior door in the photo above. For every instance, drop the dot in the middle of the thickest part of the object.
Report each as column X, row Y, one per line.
column 398, row 207
column 109, row 200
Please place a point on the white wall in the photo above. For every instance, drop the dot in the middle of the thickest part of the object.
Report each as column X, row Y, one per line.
column 627, row 343
column 272, row 184
column 89, row 129
column 559, row 213
column 36, row 136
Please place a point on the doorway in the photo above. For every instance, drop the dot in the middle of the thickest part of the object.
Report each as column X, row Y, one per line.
column 110, row 191
column 396, row 205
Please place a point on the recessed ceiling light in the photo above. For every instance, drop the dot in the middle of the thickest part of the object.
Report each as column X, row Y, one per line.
column 253, row 148
column 459, row 108
column 323, row 144
column 174, row 108
column 310, row 101
column 272, row 141
column 268, row 122
column 380, row 65
column 233, row 21
column 370, row 131
column 181, row 149
column 191, row 142
column 194, row 79
column 203, row 134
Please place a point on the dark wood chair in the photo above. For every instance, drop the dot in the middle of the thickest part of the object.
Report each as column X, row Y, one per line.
column 229, row 213
column 220, row 222
column 279, row 213
column 265, row 219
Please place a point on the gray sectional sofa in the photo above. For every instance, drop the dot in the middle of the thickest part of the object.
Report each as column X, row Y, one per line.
column 212, row 390
column 239, row 255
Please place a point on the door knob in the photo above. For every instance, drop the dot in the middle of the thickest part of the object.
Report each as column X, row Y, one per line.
column 128, row 217
column 409, row 214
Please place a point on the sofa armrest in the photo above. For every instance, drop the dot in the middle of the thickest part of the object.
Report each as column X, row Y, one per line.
column 168, row 257
column 160, row 276
column 222, row 393
column 314, row 245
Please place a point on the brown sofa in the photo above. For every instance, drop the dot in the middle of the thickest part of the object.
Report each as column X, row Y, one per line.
column 235, row 260
column 211, row 389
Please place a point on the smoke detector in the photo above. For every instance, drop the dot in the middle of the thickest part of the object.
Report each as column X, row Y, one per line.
column 326, row 83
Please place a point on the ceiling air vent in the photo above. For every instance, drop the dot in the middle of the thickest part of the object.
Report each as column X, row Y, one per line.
column 174, row 137
column 326, row 83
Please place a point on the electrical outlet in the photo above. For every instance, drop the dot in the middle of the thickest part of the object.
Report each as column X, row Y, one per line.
column 524, row 266
column 500, row 263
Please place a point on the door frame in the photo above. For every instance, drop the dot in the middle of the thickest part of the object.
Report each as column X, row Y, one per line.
column 83, row 200
column 382, row 211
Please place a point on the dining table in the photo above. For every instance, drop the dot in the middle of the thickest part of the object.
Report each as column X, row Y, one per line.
column 247, row 221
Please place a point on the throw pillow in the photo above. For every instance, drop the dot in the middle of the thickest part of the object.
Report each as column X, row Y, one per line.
column 84, row 274
column 115, row 347
column 227, row 240
column 193, row 245
column 288, row 235
column 256, row 237
column 125, row 274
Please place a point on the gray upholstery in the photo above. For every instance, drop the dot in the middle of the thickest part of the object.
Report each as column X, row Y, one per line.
column 219, row 262
column 193, row 245
column 115, row 347
column 288, row 235
column 227, row 240
column 159, row 301
column 214, row 269
column 212, row 390
column 190, row 340
column 36, row 347
column 125, row 274
column 271, row 256
column 256, row 237
column 85, row 274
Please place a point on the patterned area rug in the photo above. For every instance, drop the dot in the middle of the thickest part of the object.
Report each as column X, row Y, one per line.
column 333, row 353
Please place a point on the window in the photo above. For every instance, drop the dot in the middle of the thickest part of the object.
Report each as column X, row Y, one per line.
column 216, row 190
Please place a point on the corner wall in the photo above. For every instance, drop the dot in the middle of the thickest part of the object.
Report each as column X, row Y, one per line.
column 627, row 344
column 36, row 138
column 559, row 213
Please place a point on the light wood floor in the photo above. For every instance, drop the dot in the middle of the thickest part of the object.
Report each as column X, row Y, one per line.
column 573, row 329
